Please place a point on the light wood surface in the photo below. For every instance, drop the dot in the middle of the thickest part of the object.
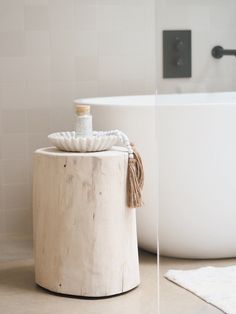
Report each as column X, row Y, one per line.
column 85, row 240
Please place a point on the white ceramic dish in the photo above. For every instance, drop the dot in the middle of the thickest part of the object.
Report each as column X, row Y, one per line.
column 68, row 141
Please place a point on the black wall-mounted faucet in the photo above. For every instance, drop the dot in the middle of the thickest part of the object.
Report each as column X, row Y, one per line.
column 218, row 52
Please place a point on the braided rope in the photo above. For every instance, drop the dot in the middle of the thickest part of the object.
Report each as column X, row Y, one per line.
column 123, row 138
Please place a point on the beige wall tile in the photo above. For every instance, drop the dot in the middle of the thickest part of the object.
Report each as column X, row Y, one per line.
column 110, row 87
column 110, row 43
column 111, row 68
column 35, row 2
column 86, row 68
column 63, row 69
column 37, row 43
column 15, row 171
column 11, row 15
column 111, row 18
column 138, row 17
column 61, row 14
column 115, row 43
column 121, row 67
column 86, row 2
column 87, row 89
column 38, row 69
column 13, row 95
column 14, row 146
column 86, row 43
column 38, row 120
column 12, row 44
column 13, row 121
column 133, row 87
column 12, row 69
column 16, row 196
column 1, row 177
column 0, row 148
column 36, row 141
column 36, row 17
column 63, row 119
column 63, row 43
column 62, row 94
column 86, row 16
column 2, row 221
column 37, row 95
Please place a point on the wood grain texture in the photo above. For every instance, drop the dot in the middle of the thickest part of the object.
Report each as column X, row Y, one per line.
column 85, row 240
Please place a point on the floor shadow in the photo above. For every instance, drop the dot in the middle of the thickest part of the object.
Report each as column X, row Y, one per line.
column 147, row 257
column 18, row 276
column 82, row 297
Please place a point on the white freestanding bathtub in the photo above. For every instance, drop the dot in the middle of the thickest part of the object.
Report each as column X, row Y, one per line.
column 197, row 159
column 188, row 145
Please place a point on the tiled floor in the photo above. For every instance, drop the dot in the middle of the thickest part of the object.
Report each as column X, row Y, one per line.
column 20, row 295
column 176, row 300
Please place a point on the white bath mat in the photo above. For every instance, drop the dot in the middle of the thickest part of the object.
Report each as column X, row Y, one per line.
column 215, row 285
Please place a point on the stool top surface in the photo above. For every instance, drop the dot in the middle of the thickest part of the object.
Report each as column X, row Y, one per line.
column 53, row 151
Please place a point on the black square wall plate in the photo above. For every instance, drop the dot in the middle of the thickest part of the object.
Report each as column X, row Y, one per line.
column 177, row 52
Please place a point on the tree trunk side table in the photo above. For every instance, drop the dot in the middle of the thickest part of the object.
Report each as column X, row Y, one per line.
column 85, row 240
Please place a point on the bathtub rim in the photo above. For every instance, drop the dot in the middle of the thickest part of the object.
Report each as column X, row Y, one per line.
column 163, row 100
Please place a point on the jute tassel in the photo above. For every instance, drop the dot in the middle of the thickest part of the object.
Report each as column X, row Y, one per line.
column 135, row 180
column 135, row 177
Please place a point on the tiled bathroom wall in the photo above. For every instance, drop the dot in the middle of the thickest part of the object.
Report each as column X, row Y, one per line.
column 212, row 23
column 51, row 52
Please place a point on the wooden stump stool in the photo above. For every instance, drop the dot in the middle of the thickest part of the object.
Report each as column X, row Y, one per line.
column 85, row 240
